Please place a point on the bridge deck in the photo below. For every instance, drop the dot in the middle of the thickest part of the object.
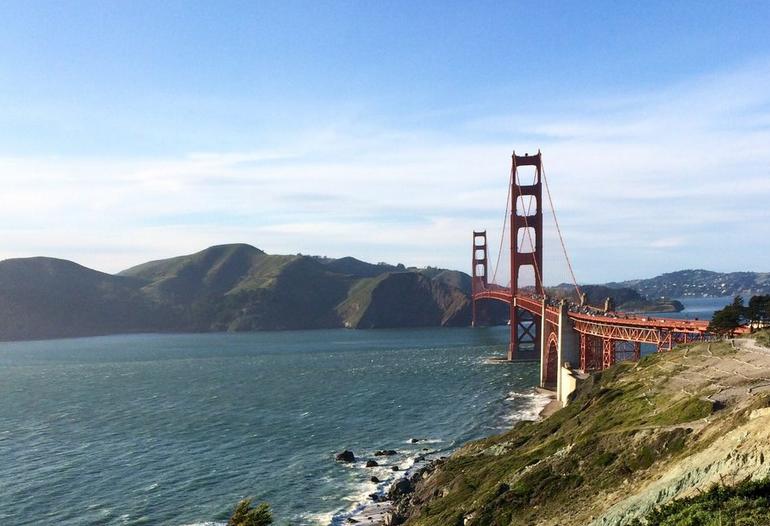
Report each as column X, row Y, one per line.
column 583, row 321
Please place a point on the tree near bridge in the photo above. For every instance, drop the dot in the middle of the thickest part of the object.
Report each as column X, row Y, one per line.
column 756, row 313
column 726, row 321
column 758, row 310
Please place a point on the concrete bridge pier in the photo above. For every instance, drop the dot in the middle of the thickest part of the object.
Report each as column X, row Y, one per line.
column 559, row 353
column 568, row 356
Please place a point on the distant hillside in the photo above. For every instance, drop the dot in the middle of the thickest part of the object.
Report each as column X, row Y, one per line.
column 224, row 288
column 626, row 299
column 699, row 283
column 46, row 297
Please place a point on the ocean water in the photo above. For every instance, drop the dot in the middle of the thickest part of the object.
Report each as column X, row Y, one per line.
column 701, row 308
column 175, row 429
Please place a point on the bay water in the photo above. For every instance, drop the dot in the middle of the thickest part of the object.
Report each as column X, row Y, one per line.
column 175, row 429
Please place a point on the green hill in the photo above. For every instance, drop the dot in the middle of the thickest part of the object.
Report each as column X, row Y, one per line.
column 46, row 297
column 224, row 288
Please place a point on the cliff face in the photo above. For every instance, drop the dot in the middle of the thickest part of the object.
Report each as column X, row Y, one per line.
column 635, row 436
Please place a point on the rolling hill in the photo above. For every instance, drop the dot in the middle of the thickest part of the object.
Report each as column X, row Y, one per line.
column 233, row 287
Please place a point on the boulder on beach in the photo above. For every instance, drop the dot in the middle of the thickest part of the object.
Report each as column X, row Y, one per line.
column 395, row 468
column 371, row 464
column 346, row 456
column 400, row 487
column 385, row 453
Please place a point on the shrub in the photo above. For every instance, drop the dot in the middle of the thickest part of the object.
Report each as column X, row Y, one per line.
column 245, row 515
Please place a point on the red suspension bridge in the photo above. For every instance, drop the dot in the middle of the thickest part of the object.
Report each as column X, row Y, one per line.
column 566, row 334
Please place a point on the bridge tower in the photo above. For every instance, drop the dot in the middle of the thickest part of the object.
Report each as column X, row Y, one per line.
column 480, row 266
column 526, row 226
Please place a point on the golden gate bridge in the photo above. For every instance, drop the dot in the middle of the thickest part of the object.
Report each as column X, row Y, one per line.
column 569, row 336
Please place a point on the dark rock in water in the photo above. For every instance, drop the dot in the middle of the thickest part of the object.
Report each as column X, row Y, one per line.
column 375, row 497
column 414, row 440
column 385, row 453
column 351, row 520
column 420, row 458
column 371, row 464
column 375, row 480
column 395, row 468
column 426, row 449
column 346, row 456
column 399, row 488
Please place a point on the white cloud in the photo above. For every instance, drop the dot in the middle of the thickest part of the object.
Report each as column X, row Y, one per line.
column 675, row 171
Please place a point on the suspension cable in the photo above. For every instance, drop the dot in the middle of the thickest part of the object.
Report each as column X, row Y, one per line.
column 505, row 222
column 561, row 238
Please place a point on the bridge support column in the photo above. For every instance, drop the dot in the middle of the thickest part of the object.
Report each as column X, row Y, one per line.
column 584, row 350
column 526, row 223
column 544, row 332
column 479, row 268
column 608, row 353
column 665, row 341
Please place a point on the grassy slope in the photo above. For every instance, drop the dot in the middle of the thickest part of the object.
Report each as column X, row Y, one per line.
column 623, row 428
column 763, row 337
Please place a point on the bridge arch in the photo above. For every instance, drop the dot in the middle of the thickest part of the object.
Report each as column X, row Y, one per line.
column 551, row 360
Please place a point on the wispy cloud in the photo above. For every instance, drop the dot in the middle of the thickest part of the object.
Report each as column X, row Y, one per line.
column 674, row 177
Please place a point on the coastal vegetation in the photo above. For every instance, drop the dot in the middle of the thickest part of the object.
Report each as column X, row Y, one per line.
column 756, row 314
column 247, row 515
column 746, row 503
column 634, row 437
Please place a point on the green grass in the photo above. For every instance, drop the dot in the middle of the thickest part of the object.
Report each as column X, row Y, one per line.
column 621, row 423
column 762, row 337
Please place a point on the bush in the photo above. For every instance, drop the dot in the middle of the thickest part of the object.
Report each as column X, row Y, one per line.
column 747, row 503
column 245, row 515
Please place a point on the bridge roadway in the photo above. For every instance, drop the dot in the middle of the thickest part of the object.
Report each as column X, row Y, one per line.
column 593, row 324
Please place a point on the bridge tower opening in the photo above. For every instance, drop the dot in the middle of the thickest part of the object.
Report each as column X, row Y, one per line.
column 526, row 226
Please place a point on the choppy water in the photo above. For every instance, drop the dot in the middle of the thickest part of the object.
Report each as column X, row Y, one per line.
column 174, row 429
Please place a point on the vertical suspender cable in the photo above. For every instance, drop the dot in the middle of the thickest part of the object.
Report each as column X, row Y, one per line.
column 505, row 222
column 561, row 238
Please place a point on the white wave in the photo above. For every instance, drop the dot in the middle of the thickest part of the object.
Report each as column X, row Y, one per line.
column 528, row 405
column 322, row 519
column 423, row 441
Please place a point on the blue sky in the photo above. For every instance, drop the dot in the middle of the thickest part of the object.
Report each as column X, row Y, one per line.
column 383, row 130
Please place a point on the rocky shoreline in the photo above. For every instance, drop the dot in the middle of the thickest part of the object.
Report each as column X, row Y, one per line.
column 396, row 506
column 635, row 437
